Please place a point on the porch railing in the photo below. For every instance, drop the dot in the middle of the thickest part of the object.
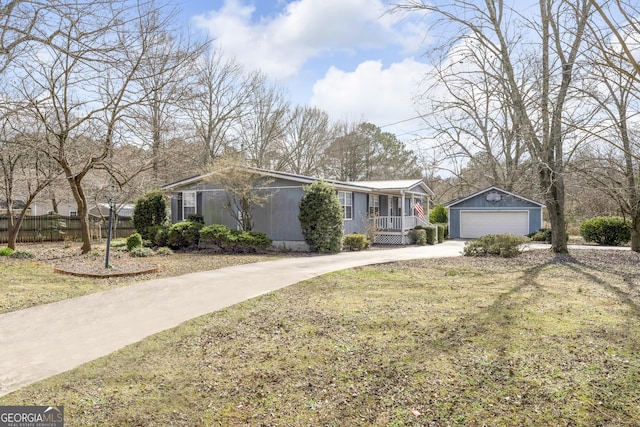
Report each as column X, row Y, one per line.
column 394, row 222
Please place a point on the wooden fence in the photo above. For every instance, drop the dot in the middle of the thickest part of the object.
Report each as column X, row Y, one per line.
column 50, row 228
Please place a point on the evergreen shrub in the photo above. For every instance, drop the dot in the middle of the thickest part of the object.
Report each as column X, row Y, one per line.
column 150, row 210
column 321, row 218
column 606, row 230
column 134, row 241
column 183, row 235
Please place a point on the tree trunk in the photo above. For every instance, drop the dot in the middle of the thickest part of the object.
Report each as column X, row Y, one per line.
column 83, row 212
column 553, row 187
column 635, row 231
column 12, row 231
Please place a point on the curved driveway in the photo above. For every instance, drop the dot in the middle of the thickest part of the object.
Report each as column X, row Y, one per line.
column 42, row 341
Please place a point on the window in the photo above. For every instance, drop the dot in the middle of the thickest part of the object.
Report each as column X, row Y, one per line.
column 374, row 205
column 188, row 203
column 73, row 213
column 346, row 201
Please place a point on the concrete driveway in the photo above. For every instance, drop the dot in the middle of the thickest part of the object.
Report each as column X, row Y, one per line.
column 46, row 340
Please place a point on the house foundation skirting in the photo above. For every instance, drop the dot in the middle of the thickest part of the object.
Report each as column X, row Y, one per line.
column 392, row 238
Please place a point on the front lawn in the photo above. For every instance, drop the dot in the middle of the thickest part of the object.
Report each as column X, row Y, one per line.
column 536, row 340
column 29, row 282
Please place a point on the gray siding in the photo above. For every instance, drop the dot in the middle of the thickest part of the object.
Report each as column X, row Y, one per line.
column 507, row 202
column 278, row 218
column 360, row 207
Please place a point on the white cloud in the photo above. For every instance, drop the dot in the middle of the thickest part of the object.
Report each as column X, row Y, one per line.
column 304, row 29
column 371, row 93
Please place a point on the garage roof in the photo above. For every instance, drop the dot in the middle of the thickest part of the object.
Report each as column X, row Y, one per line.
column 486, row 190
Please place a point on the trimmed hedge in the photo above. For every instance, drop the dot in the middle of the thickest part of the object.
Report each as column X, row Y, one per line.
column 355, row 242
column 234, row 241
column 442, row 232
column 420, row 236
column 504, row 245
column 430, row 234
column 606, row 230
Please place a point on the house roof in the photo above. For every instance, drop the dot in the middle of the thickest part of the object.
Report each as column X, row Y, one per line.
column 17, row 204
column 486, row 190
column 397, row 185
column 362, row 186
column 125, row 210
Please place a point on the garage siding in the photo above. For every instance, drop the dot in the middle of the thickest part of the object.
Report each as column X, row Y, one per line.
column 479, row 215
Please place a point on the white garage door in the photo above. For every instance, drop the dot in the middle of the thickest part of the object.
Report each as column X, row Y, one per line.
column 474, row 224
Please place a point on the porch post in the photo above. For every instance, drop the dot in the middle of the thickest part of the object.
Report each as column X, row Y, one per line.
column 402, row 214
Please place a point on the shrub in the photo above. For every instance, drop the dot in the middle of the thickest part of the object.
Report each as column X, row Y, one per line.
column 141, row 252
column 441, row 232
column 134, row 241
column 159, row 235
column 420, row 236
column 118, row 243
column 438, row 214
column 164, row 251
column 227, row 240
column 185, row 234
column 22, row 254
column 606, row 230
column 431, row 235
column 355, row 242
column 6, row 252
column 196, row 217
column 321, row 218
column 150, row 210
column 542, row 235
column 504, row 245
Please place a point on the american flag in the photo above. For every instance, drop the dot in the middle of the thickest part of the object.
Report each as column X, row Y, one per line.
column 418, row 207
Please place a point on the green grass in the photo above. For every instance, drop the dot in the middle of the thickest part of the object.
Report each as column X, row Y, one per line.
column 529, row 341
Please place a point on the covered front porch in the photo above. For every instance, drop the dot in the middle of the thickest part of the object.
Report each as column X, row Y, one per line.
column 395, row 230
column 395, row 208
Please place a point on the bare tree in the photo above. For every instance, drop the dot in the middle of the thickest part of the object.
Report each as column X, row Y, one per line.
column 615, row 81
column 245, row 187
column 554, row 44
column 307, row 136
column 166, row 69
column 473, row 120
column 221, row 98
column 263, row 128
column 24, row 169
column 84, row 85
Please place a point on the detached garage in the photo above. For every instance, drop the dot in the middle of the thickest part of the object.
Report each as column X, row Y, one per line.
column 493, row 211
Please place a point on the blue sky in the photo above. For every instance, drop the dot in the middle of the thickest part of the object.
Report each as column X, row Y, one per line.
column 345, row 56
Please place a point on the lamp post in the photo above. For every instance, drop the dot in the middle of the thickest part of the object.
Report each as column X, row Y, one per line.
column 111, row 202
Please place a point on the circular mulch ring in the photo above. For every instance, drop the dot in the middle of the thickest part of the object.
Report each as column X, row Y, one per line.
column 98, row 270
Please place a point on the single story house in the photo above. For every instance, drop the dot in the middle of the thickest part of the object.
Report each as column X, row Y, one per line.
column 101, row 210
column 16, row 207
column 386, row 210
column 493, row 211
